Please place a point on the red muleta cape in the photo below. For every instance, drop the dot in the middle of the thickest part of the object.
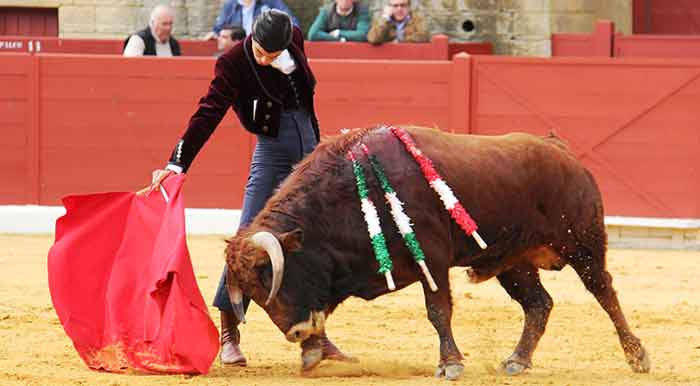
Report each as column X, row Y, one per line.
column 123, row 286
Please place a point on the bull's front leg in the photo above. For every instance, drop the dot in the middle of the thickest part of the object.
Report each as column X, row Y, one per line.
column 439, row 307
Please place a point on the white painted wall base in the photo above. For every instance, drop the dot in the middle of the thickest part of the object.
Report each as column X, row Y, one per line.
column 42, row 219
column 623, row 232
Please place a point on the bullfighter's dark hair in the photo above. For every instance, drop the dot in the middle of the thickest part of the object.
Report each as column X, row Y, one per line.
column 273, row 30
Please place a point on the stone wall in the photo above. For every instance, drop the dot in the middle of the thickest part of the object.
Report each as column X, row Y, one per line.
column 515, row 27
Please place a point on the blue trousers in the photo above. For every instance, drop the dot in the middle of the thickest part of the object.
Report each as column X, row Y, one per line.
column 272, row 162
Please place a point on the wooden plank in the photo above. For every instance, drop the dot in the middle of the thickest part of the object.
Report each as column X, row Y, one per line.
column 14, row 166
column 107, row 66
column 123, row 90
column 16, row 64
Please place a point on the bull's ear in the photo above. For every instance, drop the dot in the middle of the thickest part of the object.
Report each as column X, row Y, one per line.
column 291, row 241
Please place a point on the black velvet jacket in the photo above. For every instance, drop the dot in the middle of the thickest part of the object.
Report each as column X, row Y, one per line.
column 253, row 91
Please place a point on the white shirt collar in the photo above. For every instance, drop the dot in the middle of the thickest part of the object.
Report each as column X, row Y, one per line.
column 284, row 63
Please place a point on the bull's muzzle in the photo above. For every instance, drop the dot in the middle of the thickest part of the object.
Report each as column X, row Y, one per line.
column 302, row 331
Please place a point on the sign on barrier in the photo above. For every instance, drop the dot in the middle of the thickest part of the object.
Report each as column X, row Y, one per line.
column 12, row 45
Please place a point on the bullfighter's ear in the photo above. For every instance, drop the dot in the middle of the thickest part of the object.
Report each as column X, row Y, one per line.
column 291, row 241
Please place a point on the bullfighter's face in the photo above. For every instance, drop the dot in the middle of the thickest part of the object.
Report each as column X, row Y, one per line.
column 271, row 270
column 263, row 57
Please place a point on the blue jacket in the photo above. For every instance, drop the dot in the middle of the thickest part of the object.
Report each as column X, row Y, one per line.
column 232, row 12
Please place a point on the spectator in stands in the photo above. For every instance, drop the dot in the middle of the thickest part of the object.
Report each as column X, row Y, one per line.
column 156, row 39
column 398, row 24
column 268, row 82
column 341, row 20
column 228, row 37
column 241, row 13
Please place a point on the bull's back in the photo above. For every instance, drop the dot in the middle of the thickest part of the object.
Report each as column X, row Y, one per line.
column 516, row 182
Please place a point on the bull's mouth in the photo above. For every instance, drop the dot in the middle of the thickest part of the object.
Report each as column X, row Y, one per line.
column 313, row 326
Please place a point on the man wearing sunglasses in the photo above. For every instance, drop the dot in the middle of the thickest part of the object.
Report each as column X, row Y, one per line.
column 398, row 24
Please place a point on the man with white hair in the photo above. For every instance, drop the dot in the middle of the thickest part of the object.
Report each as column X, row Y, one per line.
column 156, row 39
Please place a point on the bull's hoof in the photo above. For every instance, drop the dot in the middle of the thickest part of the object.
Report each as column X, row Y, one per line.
column 640, row 363
column 514, row 366
column 451, row 371
column 310, row 359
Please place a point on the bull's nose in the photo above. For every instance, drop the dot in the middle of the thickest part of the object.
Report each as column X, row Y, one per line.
column 298, row 333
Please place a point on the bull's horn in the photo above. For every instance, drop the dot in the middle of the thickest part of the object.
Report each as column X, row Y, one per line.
column 235, row 295
column 271, row 245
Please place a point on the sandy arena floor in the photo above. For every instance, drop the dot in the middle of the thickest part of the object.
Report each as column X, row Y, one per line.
column 659, row 291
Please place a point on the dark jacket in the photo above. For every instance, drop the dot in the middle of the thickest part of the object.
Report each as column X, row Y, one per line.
column 353, row 27
column 238, row 82
column 150, row 42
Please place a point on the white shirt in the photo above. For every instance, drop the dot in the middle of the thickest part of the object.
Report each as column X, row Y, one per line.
column 284, row 63
column 135, row 46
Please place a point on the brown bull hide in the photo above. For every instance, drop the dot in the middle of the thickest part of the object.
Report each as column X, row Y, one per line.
column 536, row 206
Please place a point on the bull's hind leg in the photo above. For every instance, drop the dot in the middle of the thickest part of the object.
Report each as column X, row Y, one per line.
column 439, row 307
column 591, row 269
column 523, row 284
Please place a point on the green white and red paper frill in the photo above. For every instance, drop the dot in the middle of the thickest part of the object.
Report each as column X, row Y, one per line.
column 401, row 219
column 381, row 253
column 451, row 203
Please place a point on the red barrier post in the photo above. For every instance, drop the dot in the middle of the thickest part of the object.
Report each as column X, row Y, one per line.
column 34, row 134
column 603, row 39
column 460, row 93
column 440, row 47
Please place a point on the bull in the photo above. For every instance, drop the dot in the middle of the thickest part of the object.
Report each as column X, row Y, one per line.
column 535, row 204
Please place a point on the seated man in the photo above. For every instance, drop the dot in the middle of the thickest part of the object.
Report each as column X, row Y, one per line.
column 398, row 24
column 156, row 39
column 228, row 37
column 341, row 20
column 242, row 13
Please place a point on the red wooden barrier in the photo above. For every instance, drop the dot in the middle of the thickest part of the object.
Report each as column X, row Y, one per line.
column 604, row 42
column 599, row 43
column 632, row 122
column 79, row 123
column 438, row 48
column 363, row 93
column 103, row 122
column 121, row 117
column 657, row 46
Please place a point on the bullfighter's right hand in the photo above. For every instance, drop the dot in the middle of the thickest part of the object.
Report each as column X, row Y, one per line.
column 158, row 176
